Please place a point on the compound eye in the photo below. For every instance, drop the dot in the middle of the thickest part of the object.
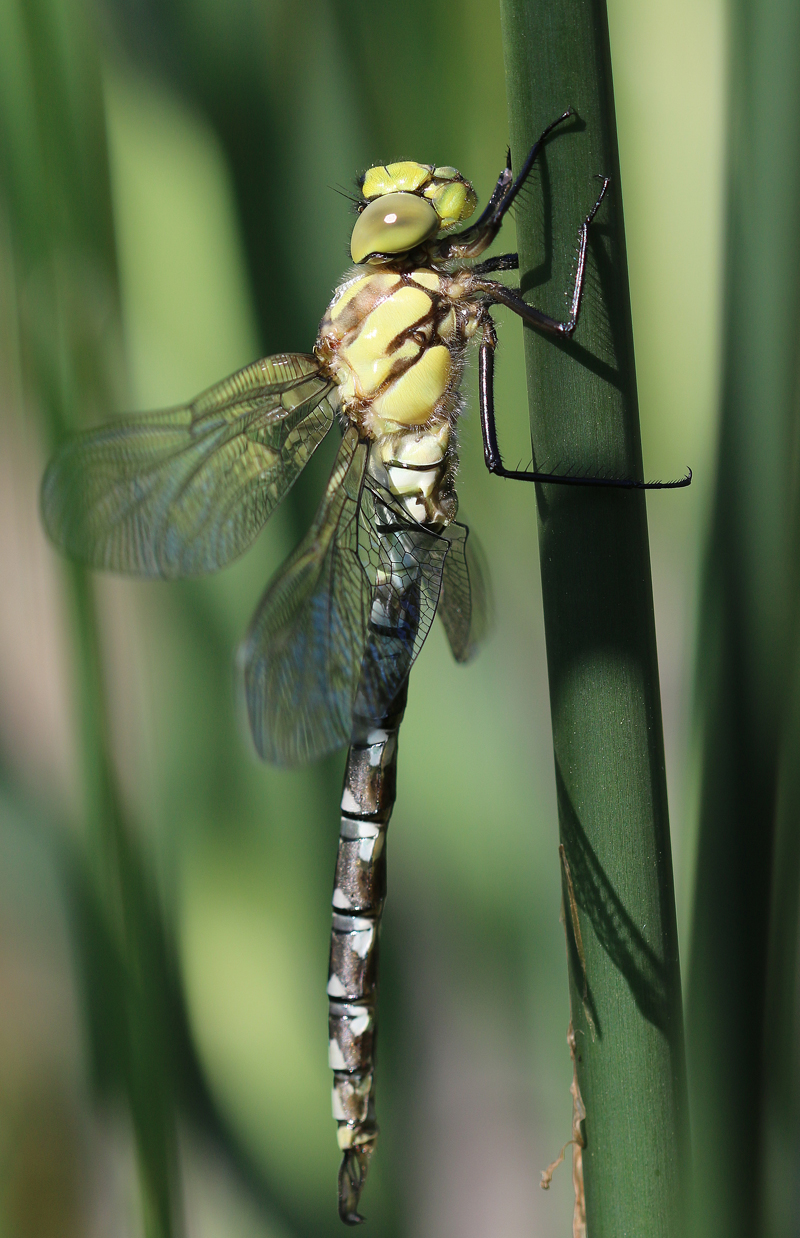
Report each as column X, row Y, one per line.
column 393, row 224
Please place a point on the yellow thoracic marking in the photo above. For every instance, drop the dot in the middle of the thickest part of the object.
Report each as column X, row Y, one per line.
column 410, row 400
column 448, row 324
column 369, row 370
column 368, row 354
column 408, row 349
column 391, row 389
column 428, row 279
column 394, row 315
column 346, row 297
column 379, row 283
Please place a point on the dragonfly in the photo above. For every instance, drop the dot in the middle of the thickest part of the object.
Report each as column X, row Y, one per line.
column 327, row 658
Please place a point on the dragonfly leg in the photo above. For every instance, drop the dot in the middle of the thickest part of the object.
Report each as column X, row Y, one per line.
column 504, row 183
column 491, row 449
column 495, row 217
column 499, row 294
column 503, row 262
column 474, row 240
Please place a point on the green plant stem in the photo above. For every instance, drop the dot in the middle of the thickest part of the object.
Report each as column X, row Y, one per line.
column 739, row 1021
column 600, row 632
column 781, row 1147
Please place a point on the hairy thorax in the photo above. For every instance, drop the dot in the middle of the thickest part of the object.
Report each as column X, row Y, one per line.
column 394, row 341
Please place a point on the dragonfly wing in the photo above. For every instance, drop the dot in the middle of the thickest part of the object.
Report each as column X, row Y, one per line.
column 464, row 605
column 405, row 562
column 303, row 653
column 340, row 625
column 183, row 492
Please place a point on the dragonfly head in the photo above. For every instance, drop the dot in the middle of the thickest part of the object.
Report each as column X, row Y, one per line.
column 406, row 204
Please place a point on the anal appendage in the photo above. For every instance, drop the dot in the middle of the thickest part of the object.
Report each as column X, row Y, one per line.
column 352, row 1173
column 357, row 1135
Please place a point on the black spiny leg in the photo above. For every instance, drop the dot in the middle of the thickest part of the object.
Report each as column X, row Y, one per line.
column 503, row 262
column 491, row 450
column 504, row 182
column 474, row 239
column 501, row 295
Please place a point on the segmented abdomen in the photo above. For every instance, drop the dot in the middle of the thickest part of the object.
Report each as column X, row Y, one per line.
column 358, row 896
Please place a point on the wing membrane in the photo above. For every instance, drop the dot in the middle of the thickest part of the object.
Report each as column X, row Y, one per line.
column 464, row 604
column 183, row 492
column 303, row 652
column 341, row 623
column 405, row 562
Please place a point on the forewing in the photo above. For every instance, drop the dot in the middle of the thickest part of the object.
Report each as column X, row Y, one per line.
column 183, row 492
column 342, row 622
column 303, row 654
column 464, row 604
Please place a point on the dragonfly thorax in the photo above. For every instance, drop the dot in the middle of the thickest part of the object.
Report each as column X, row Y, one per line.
column 391, row 343
column 394, row 341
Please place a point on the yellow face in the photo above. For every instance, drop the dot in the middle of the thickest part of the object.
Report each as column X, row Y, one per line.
column 407, row 203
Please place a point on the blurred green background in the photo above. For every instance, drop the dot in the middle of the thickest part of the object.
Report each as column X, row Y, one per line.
column 210, row 233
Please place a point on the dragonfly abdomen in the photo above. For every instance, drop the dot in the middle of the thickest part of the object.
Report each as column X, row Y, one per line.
column 358, row 896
